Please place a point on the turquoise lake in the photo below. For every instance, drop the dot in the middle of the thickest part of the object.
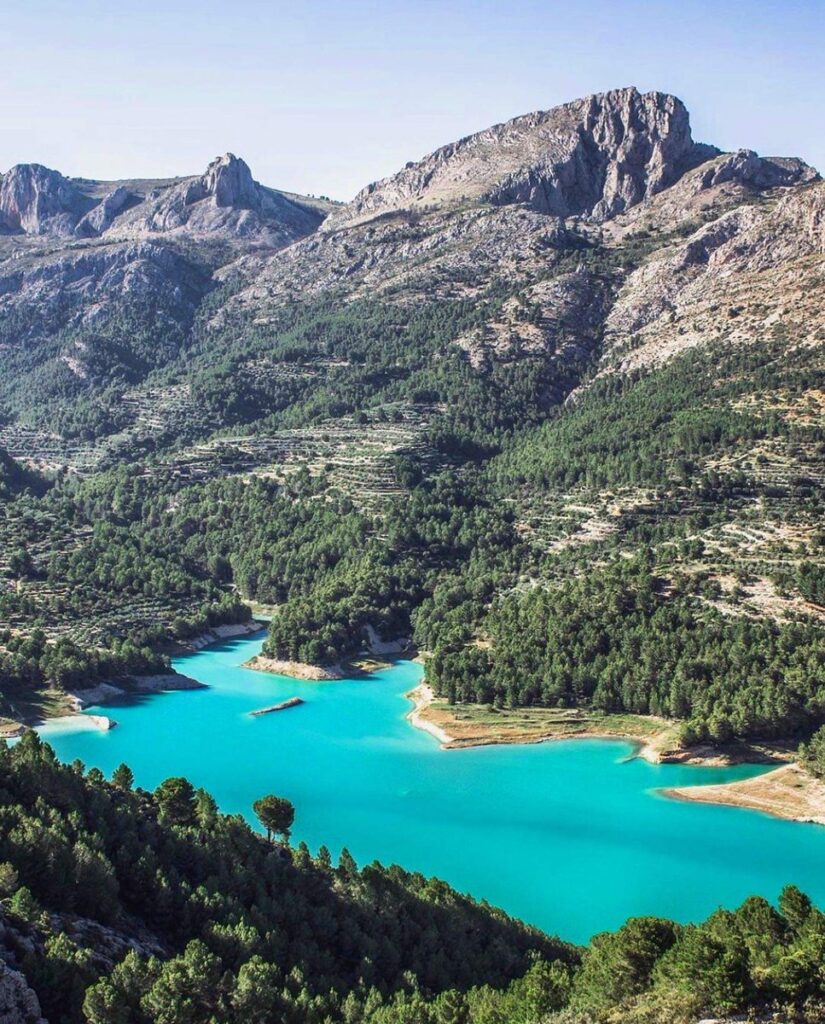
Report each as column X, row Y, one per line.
column 570, row 836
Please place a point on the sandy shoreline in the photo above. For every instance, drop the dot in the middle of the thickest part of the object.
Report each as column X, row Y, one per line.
column 422, row 697
column 453, row 734
column 788, row 791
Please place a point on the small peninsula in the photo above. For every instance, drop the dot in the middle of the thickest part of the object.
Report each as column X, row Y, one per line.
column 788, row 791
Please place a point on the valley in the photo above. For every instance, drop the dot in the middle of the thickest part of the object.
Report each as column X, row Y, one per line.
column 544, row 407
column 361, row 777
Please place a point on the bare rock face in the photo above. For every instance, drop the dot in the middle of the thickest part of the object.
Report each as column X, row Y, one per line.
column 18, row 1002
column 100, row 218
column 746, row 168
column 591, row 158
column 36, row 200
column 227, row 200
column 229, row 181
column 733, row 280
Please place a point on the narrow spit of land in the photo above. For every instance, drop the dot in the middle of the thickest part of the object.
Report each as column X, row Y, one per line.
column 788, row 791
column 293, row 702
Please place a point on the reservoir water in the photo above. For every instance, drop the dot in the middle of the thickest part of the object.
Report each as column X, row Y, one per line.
column 570, row 836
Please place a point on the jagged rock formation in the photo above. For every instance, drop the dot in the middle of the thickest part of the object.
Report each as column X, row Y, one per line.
column 720, row 184
column 35, row 200
column 735, row 279
column 509, row 201
column 75, row 253
column 592, row 158
column 225, row 200
column 511, row 205
column 98, row 219
column 749, row 169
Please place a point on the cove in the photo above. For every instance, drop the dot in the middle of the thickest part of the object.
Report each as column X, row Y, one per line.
column 568, row 835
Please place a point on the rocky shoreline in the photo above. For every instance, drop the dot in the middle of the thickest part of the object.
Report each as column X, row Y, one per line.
column 295, row 669
column 379, row 654
column 108, row 693
column 216, row 634
column 69, row 706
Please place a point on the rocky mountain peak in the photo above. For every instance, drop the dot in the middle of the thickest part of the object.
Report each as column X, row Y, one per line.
column 36, row 200
column 593, row 158
column 229, row 180
column 225, row 200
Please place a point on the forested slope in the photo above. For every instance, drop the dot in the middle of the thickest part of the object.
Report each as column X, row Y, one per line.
column 567, row 438
column 119, row 906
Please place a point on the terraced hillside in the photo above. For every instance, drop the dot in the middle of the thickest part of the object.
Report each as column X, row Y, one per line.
column 573, row 361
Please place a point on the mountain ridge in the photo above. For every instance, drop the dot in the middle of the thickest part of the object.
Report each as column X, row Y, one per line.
column 593, row 157
column 37, row 200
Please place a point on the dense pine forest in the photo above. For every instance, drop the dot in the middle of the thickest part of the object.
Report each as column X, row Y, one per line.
column 120, row 905
column 650, row 616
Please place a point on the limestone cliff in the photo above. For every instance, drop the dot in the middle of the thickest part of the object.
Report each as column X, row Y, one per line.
column 592, row 158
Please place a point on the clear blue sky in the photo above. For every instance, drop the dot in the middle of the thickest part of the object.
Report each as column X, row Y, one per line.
column 326, row 96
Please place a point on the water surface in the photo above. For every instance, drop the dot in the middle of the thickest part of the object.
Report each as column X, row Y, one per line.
column 570, row 835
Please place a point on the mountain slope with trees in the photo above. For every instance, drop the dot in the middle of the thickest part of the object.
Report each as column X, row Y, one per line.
column 119, row 906
column 578, row 354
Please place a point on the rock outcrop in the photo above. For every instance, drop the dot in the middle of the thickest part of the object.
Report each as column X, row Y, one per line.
column 591, row 158
column 225, row 200
column 18, row 1003
column 229, row 181
column 617, row 236
column 757, row 172
column 732, row 280
column 36, row 200
column 98, row 219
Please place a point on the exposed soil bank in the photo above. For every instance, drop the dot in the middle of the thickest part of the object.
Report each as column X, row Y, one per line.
column 295, row 669
column 787, row 792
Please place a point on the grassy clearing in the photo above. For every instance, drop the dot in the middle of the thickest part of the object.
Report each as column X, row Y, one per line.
column 481, row 724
